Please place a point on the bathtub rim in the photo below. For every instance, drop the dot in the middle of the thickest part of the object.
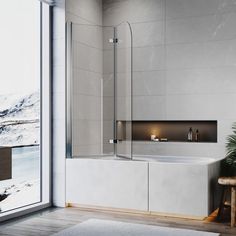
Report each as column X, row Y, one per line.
column 151, row 158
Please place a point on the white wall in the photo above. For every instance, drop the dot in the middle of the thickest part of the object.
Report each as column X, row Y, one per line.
column 64, row 10
column 184, row 65
column 59, row 113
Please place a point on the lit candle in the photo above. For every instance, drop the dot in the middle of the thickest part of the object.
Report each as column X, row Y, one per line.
column 153, row 136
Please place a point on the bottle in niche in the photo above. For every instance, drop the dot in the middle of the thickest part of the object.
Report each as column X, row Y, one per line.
column 197, row 136
column 190, row 134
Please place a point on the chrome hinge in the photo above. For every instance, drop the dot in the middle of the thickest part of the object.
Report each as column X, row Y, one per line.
column 115, row 40
column 113, row 141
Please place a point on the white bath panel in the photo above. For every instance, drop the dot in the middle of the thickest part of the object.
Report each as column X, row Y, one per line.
column 107, row 183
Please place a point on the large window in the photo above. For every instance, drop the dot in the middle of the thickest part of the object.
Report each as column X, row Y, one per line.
column 20, row 104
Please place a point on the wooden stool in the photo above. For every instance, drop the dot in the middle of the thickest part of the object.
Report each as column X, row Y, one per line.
column 228, row 183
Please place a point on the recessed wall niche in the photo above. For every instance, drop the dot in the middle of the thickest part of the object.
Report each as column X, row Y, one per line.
column 172, row 131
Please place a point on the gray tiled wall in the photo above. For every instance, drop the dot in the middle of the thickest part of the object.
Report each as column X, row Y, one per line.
column 184, row 64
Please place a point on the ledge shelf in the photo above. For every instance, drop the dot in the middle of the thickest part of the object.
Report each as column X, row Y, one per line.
column 173, row 130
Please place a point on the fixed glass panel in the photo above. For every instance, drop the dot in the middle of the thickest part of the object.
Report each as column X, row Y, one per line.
column 86, row 97
column 20, row 103
column 99, row 96
column 123, row 89
column 108, row 92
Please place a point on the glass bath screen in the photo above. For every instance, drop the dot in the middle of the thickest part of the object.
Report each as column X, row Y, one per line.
column 99, row 95
column 86, row 90
column 123, row 89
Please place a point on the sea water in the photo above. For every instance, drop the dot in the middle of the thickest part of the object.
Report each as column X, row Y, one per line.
column 24, row 186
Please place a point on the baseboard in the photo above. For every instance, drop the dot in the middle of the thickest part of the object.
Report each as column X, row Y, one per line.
column 131, row 211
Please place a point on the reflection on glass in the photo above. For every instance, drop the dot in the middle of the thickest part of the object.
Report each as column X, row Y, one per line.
column 100, row 90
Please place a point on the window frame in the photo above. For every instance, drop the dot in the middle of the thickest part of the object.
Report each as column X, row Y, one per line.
column 45, row 118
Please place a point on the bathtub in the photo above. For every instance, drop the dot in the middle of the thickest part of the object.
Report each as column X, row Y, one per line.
column 164, row 185
column 175, row 159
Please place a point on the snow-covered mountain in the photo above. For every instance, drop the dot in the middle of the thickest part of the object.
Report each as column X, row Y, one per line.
column 19, row 119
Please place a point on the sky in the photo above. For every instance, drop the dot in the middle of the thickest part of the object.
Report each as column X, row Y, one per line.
column 19, row 46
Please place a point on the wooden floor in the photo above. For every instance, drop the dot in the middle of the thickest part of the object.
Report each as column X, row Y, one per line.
column 53, row 220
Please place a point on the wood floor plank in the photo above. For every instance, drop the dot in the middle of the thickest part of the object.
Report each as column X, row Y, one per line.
column 54, row 220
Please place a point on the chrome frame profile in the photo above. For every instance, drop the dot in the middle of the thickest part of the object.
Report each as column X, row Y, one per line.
column 131, row 87
column 69, row 79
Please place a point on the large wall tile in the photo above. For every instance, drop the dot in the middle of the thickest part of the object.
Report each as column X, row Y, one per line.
column 200, row 107
column 108, row 134
column 108, row 85
column 108, row 61
column 108, row 108
column 108, row 34
column 149, row 83
column 185, row 55
column 86, row 132
column 88, row 58
column 148, row 33
column 108, row 130
column 124, row 148
column 212, row 150
column 87, row 82
column 123, row 108
column 70, row 17
column 124, row 84
column 116, row 12
column 86, row 150
column 195, row 55
column 201, row 29
column 149, row 58
column 124, row 35
column 190, row 8
column 123, row 60
column 221, row 53
column 215, row 80
column 224, row 130
column 87, row 9
column 89, row 35
column 149, row 107
column 108, row 149
column 86, row 107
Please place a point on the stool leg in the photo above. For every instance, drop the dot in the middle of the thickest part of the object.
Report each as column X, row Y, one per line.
column 222, row 202
column 233, row 202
